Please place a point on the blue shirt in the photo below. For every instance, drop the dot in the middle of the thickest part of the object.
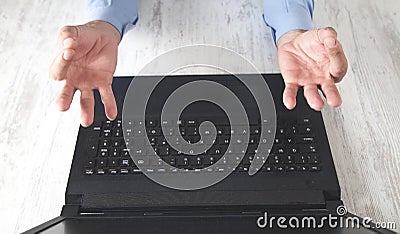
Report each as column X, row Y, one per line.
column 281, row 16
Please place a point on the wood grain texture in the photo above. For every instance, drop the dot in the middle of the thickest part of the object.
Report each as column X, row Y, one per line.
column 37, row 141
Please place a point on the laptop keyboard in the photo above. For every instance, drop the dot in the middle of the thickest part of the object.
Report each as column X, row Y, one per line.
column 294, row 149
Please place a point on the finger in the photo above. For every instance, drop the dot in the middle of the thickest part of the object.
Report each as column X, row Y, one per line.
column 313, row 98
column 59, row 67
column 64, row 99
column 331, row 93
column 67, row 38
column 87, row 107
column 68, row 32
column 289, row 95
column 338, row 62
column 107, row 97
column 324, row 33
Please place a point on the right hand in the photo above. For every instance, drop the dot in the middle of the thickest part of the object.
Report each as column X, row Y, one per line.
column 86, row 61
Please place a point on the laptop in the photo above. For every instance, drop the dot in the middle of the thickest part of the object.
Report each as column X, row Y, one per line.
column 111, row 190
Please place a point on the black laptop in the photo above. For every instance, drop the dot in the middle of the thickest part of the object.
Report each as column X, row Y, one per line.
column 294, row 190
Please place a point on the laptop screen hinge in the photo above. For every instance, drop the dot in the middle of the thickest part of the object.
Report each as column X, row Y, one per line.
column 70, row 210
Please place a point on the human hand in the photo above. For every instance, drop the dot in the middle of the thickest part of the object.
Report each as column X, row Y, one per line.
column 86, row 61
column 313, row 60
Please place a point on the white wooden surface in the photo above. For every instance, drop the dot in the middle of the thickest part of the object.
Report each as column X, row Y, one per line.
column 37, row 142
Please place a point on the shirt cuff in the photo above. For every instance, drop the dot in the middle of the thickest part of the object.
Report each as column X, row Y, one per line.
column 119, row 13
column 283, row 16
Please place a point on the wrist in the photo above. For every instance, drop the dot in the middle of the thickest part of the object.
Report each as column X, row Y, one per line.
column 106, row 28
column 289, row 36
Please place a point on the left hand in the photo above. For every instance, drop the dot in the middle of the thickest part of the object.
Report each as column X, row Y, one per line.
column 313, row 60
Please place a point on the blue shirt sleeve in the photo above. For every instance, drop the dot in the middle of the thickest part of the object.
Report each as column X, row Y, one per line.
column 283, row 16
column 116, row 12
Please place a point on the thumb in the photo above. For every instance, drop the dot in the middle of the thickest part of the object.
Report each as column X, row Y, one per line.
column 338, row 62
column 68, row 39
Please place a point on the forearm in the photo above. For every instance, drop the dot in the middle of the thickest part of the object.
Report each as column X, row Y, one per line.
column 283, row 16
column 118, row 13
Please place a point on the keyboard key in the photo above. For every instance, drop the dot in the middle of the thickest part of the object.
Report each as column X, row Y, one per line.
column 279, row 168
column 301, row 159
column 191, row 122
column 305, row 130
column 101, row 162
column 124, row 170
column 198, row 161
column 170, row 160
column 292, row 130
column 313, row 159
column 290, row 159
column 192, row 131
column 153, row 141
column 136, row 171
column 220, row 130
column 88, row 171
column 90, row 163
column 209, row 160
column 154, row 131
column 103, row 152
column 168, row 132
column 151, row 123
column 125, row 153
column 117, row 133
column 107, row 133
column 256, row 130
column 100, row 171
column 315, row 168
column 305, row 121
column 302, row 168
column 118, row 124
column 214, row 151
column 112, row 171
column 138, row 132
column 92, row 148
column 309, row 149
column 125, row 162
column 104, row 143
column 305, row 139
column 113, row 162
column 166, row 123
column 242, row 168
column 163, row 151
column 290, row 168
column 292, row 150
column 182, row 131
column 290, row 140
column 96, row 129
column 183, row 161
column 107, row 124
column 267, row 168
column 143, row 160
column 116, row 143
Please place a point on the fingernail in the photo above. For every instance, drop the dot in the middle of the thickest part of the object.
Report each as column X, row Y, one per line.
column 68, row 54
column 68, row 42
column 330, row 42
